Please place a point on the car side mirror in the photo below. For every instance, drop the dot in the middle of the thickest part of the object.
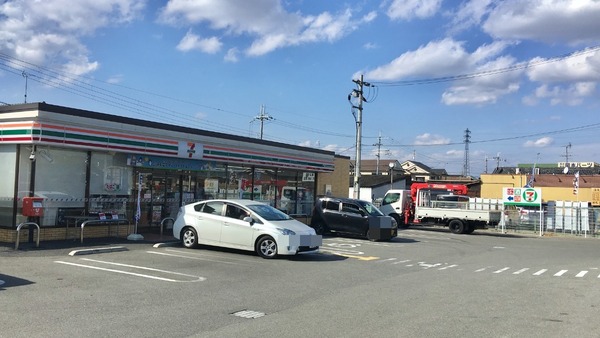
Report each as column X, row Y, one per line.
column 249, row 220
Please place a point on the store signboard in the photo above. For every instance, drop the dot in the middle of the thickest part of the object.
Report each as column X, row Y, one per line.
column 522, row 196
column 158, row 162
column 308, row 177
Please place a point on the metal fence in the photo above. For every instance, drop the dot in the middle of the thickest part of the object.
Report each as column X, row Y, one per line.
column 560, row 218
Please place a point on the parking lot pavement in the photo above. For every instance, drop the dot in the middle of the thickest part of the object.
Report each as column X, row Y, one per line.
column 89, row 245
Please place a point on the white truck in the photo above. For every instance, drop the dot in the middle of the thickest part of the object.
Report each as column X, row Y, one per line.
column 440, row 204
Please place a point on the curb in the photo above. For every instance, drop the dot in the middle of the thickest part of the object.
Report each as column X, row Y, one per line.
column 97, row 250
column 165, row 244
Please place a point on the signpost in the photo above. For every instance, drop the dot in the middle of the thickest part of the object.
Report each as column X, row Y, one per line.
column 523, row 197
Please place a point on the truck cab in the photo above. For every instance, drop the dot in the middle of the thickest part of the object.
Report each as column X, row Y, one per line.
column 394, row 204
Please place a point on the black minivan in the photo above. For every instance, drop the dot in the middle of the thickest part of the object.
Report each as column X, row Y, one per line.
column 353, row 217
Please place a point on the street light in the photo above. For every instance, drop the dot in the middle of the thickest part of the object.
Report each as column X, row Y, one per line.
column 392, row 165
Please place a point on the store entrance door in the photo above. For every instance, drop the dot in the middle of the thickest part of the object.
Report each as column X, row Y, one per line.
column 165, row 196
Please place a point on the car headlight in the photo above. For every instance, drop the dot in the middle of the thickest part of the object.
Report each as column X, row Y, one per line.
column 285, row 231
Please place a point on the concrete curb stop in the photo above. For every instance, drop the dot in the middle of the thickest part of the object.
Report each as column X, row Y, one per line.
column 97, row 250
column 164, row 244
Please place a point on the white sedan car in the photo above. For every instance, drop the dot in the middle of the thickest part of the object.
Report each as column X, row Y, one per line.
column 246, row 225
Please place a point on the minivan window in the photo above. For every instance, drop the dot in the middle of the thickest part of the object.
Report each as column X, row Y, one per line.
column 331, row 205
column 351, row 208
column 370, row 208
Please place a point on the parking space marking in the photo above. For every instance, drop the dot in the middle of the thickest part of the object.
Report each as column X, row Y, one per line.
column 448, row 267
column 560, row 273
column 501, row 270
column 195, row 278
column 193, row 257
column 581, row 274
column 403, row 261
column 540, row 272
column 520, row 271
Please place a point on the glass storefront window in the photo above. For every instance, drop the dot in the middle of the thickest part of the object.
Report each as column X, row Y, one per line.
column 8, row 161
column 110, row 184
column 265, row 184
column 295, row 192
column 240, row 182
column 60, row 178
column 211, row 183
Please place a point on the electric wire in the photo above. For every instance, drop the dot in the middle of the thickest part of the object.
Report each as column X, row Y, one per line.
column 518, row 66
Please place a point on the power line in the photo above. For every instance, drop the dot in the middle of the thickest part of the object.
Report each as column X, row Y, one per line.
column 519, row 66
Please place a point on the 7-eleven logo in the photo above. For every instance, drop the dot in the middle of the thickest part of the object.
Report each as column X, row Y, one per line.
column 191, row 149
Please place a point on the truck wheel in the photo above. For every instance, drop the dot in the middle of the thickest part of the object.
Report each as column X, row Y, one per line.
column 457, row 226
column 399, row 221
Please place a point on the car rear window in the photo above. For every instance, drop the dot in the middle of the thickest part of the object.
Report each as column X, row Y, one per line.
column 213, row 208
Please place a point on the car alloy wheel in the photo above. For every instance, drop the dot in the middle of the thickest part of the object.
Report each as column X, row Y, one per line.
column 266, row 247
column 189, row 239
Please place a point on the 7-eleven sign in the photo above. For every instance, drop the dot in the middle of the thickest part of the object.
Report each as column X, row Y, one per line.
column 190, row 150
column 522, row 196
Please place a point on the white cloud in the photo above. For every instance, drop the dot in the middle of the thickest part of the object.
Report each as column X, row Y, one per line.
column 454, row 154
column 448, row 57
column 547, row 20
column 232, row 55
column 582, row 66
column 484, row 89
column 539, row 143
column 336, row 148
column 192, row 41
column 408, row 9
column 437, row 58
column 430, row 139
column 570, row 95
column 469, row 13
column 35, row 31
column 271, row 26
column 115, row 79
column 369, row 45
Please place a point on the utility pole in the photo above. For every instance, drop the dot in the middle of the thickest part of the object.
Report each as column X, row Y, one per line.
column 26, row 76
column 358, row 94
column 262, row 117
column 466, row 169
column 378, row 145
column 497, row 158
column 486, row 161
column 566, row 155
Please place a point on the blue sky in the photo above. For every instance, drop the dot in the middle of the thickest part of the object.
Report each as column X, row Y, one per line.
column 521, row 75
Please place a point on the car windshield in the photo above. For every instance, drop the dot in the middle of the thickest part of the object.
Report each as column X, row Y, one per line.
column 268, row 212
column 370, row 208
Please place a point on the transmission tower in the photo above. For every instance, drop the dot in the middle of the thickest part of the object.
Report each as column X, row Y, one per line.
column 466, row 169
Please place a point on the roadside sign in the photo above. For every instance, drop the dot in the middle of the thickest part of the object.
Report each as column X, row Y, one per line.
column 522, row 196
column 595, row 197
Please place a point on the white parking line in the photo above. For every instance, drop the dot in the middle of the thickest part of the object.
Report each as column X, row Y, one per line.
column 400, row 262
column 520, row 271
column 501, row 270
column 581, row 274
column 560, row 273
column 448, row 267
column 190, row 257
column 197, row 278
column 540, row 272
